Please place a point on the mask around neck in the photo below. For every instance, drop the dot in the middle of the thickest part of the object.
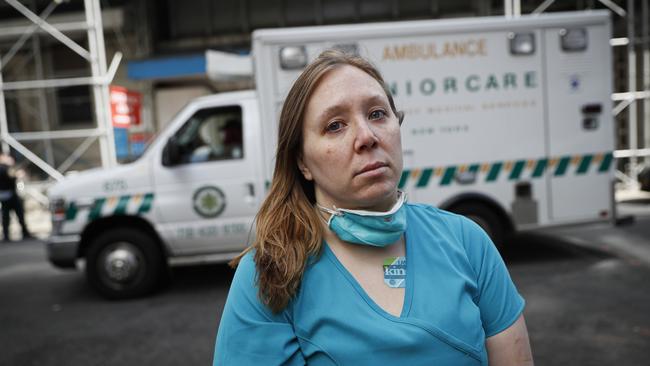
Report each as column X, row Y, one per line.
column 378, row 229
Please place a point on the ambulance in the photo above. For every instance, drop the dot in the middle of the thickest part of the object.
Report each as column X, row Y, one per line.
column 508, row 121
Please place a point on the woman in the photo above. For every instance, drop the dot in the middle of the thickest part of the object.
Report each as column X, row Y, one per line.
column 342, row 270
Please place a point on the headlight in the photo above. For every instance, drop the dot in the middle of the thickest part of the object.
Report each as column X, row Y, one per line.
column 522, row 43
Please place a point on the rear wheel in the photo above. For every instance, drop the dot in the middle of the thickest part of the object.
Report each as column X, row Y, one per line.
column 644, row 179
column 485, row 217
column 124, row 263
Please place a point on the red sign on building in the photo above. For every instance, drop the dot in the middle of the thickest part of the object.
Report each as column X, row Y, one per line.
column 126, row 106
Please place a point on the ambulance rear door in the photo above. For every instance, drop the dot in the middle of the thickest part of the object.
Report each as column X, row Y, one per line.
column 580, row 123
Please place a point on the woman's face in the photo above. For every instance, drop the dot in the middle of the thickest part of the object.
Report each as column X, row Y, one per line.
column 352, row 148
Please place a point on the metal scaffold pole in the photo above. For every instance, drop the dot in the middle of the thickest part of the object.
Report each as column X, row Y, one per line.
column 99, row 80
column 4, row 129
column 633, row 142
column 645, row 19
column 100, row 91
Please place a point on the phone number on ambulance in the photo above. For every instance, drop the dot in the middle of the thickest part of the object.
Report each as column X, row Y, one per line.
column 211, row 231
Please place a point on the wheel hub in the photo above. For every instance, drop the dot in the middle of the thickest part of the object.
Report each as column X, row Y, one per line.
column 121, row 264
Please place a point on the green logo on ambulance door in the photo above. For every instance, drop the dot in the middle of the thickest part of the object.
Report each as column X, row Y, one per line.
column 209, row 201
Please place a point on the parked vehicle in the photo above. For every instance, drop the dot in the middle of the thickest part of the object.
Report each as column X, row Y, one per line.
column 508, row 121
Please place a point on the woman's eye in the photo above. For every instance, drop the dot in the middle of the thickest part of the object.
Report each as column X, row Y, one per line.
column 334, row 126
column 378, row 114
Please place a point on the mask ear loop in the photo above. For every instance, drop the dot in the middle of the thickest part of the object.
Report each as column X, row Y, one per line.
column 332, row 213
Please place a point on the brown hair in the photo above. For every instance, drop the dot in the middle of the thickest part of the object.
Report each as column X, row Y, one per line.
column 289, row 230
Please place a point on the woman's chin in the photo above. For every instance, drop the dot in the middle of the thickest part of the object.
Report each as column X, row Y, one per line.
column 378, row 197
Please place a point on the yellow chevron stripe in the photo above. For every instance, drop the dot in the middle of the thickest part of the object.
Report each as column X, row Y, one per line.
column 530, row 164
column 576, row 159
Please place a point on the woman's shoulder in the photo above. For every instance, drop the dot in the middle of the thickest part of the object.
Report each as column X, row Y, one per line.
column 244, row 289
column 244, row 281
column 463, row 230
column 246, row 274
column 438, row 216
column 246, row 270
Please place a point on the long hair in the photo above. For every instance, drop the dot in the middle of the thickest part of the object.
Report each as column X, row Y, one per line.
column 288, row 229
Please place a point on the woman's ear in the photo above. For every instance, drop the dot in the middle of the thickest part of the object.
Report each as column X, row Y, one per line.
column 303, row 169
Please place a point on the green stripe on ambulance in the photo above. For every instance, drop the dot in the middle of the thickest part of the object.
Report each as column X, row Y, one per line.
column 136, row 204
column 513, row 170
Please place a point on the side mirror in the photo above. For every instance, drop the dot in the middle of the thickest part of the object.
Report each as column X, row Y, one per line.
column 171, row 153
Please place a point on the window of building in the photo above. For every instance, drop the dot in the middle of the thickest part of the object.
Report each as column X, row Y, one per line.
column 75, row 106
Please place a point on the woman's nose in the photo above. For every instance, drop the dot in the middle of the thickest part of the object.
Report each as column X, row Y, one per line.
column 365, row 138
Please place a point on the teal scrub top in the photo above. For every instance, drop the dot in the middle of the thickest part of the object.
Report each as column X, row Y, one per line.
column 458, row 292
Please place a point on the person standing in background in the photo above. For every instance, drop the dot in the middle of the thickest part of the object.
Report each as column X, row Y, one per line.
column 10, row 199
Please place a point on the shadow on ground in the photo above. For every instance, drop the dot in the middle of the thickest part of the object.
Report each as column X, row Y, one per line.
column 200, row 278
column 533, row 247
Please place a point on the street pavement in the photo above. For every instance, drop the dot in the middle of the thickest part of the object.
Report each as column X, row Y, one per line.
column 52, row 317
column 583, row 306
column 587, row 290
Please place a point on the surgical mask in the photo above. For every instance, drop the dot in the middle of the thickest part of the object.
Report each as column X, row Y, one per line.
column 373, row 228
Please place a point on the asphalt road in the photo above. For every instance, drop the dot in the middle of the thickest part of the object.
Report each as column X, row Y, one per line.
column 587, row 291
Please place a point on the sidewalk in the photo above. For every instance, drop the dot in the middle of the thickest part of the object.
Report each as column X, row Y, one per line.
column 631, row 202
column 37, row 218
column 629, row 241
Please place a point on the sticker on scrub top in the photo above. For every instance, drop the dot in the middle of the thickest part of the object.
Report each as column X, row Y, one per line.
column 395, row 272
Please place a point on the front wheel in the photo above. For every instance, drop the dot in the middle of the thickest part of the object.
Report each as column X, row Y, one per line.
column 485, row 217
column 124, row 263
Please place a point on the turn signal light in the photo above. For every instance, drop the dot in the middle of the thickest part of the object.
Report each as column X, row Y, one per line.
column 57, row 208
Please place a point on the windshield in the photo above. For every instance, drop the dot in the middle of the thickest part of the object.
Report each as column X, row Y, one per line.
column 151, row 139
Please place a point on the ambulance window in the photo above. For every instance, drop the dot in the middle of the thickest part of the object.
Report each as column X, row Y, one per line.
column 212, row 134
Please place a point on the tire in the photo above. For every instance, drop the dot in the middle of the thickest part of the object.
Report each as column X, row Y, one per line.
column 124, row 263
column 644, row 179
column 485, row 217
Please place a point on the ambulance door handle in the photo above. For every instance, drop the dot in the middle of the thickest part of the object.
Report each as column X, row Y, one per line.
column 251, row 189
column 250, row 198
column 591, row 116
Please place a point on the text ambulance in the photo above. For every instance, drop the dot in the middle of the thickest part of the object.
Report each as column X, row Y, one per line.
column 508, row 121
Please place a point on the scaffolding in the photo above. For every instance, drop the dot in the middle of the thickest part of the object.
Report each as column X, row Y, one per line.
column 99, row 79
column 624, row 100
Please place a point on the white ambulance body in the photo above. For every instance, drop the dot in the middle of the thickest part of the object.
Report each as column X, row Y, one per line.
column 507, row 121
column 508, row 116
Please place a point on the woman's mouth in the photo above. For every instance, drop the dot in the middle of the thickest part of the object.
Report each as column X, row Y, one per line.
column 371, row 167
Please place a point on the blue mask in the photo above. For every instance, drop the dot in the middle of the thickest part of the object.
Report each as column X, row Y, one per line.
column 372, row 228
